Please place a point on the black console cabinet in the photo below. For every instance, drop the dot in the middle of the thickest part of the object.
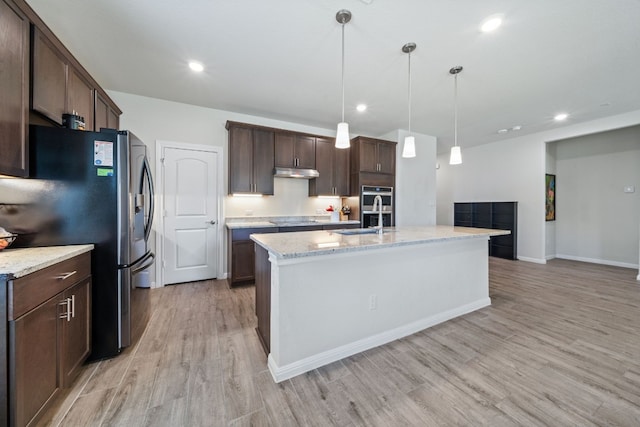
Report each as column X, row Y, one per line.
column 495, row 215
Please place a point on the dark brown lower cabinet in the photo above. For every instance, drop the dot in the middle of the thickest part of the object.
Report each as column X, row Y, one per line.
column 33, row 366
column 49, row 336
column 263, row 296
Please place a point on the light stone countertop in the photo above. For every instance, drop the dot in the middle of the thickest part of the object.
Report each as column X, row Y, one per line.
column 313, row 243
column 15, row 263
column 234, row 223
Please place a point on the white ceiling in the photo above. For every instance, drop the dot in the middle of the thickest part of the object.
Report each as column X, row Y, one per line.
column 281, row 59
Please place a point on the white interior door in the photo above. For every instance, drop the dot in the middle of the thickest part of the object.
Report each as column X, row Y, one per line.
column 190, row 215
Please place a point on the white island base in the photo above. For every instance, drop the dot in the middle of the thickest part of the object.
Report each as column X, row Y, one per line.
column 327, row 307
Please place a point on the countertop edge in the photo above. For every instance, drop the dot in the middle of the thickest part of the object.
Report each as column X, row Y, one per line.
column 477, row 233
column 13, row 264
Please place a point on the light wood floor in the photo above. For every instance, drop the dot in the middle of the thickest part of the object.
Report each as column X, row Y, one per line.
column 560, row 345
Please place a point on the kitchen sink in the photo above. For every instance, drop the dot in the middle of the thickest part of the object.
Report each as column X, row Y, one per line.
column 351, row 231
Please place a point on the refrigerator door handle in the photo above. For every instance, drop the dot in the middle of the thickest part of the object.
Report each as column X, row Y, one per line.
column 145, row 262
column 146, row 173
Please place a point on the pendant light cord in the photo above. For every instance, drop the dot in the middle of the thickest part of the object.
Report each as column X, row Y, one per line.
column 409, row 92
column 343, row 72
column 455, row 110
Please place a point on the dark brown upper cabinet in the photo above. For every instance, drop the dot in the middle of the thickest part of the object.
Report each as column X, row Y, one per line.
column 14, row 87
column 58, row 87
column 373, row 162
column 106, row 115
column 251, row 154
column 295, row 151
column 333, row 165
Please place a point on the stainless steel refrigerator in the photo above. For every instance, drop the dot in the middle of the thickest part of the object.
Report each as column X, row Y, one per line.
column 93, row 187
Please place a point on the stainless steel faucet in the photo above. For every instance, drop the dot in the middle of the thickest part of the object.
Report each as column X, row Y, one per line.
column 377, row 201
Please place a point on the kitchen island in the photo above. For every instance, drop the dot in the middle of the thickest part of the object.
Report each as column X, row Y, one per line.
column 323, row 295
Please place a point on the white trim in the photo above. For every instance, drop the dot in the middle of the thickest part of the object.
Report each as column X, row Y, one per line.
column 548, row 257
column 534, row 260
column 159, row 220
column 598, row 261
column 638, row 277
column 281, row 373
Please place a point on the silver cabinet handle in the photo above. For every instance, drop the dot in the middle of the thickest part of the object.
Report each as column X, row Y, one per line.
column 65, row 276
column 73, row 306
column 67, row 312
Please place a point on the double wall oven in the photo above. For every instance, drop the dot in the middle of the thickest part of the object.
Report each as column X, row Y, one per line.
column 369, row 217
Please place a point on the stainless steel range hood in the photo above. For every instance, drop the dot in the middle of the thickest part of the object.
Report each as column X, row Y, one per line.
column 295, row 173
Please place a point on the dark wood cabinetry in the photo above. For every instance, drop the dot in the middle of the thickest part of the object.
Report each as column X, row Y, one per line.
column 106, row 115
column 240, row 248
column 251, row 159
column 294, row 150
column 39, row 81
column 333, row 165
column 373, row 162
column 49, row 92
column 14, row 90
column 58, row 87
column 49, row 323
column 263, row 297
column 494, row 215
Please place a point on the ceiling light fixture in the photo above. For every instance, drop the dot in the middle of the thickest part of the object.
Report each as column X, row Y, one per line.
column 361, row 107
column 196, row 66
column 560, row 117
column 409, row 149
column 342, row 135
column 491, row 23
column 456, row 155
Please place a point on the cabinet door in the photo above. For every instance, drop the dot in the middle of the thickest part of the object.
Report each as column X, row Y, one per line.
column 341, row 170
column 240, row 160
column 263, row 154
column 323, row 185
column 80, row 97
column 305, row 152
column 243, row 259
column 49, row 78
column 284, row 151
column 368, row 156
column 75, row 331
column 263, row 296
column 387, row 158
column 33, row 364
column 14, row 87
column 113, row 119
column 101, row 113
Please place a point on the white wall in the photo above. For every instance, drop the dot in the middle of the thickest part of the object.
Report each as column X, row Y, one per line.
column 513, row 170
column 415, row 180
column 596, row 219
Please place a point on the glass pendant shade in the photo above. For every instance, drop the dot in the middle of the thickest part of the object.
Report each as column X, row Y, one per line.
column 342, row 135
column 409, row 149
column 456, row 156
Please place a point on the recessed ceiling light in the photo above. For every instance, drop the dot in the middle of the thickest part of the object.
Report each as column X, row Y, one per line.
column 503, row 130
column 491, row 23
column 361, row 107
column 196, row 66
column 516, row 127
column 560, row 117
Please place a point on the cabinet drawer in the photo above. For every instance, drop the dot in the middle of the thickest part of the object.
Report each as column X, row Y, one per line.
column 30, row 291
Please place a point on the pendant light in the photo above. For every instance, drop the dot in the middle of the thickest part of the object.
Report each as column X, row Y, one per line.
column 456, row 155
column 342, row 135
column 409, row 149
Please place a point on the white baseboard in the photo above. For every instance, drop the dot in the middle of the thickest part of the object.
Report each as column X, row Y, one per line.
column 597, row 261
column 638, row 278
column 548, row 257
column 281, row 373
column 534, row 260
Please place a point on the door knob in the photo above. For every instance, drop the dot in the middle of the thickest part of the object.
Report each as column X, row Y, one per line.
column 212, row 222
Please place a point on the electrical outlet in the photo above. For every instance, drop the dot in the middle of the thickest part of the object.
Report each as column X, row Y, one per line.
column 373, row 302
column 629, row 189
column 319, row 211
column 248, row 212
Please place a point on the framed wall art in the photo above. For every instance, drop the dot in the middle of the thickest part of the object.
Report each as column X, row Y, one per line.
column 550, row 197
